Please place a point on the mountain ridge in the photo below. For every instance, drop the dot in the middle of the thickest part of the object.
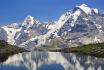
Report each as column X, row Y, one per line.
column 82, row 25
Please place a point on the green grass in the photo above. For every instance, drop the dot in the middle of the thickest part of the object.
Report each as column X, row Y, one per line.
column 91, row 49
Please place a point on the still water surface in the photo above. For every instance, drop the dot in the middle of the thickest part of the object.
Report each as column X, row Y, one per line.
column 52, row 61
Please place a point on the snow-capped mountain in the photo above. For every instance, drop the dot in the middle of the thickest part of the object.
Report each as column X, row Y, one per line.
column 18, row 33
column 81, row 25
column 84, row 26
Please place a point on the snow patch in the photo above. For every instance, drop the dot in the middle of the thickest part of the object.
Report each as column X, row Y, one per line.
column 95, row 10
column 85, row 8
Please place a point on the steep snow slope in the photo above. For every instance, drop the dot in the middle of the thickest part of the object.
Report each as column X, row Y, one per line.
column 11, row 34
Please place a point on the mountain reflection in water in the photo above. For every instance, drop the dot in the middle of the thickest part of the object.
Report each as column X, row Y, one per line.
column 55, row 61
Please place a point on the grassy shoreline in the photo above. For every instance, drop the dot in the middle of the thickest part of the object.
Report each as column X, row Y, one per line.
column 96, row 50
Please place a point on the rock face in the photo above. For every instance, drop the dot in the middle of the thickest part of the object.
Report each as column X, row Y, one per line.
column 82, row 25
column 3, row 34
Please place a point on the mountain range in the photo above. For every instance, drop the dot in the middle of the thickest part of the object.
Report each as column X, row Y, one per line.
column 79, row 26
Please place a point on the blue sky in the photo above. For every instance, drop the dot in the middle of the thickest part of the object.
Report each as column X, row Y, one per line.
column 44, row 10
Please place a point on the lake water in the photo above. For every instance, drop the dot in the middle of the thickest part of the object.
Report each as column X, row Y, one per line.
column 52, row 61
